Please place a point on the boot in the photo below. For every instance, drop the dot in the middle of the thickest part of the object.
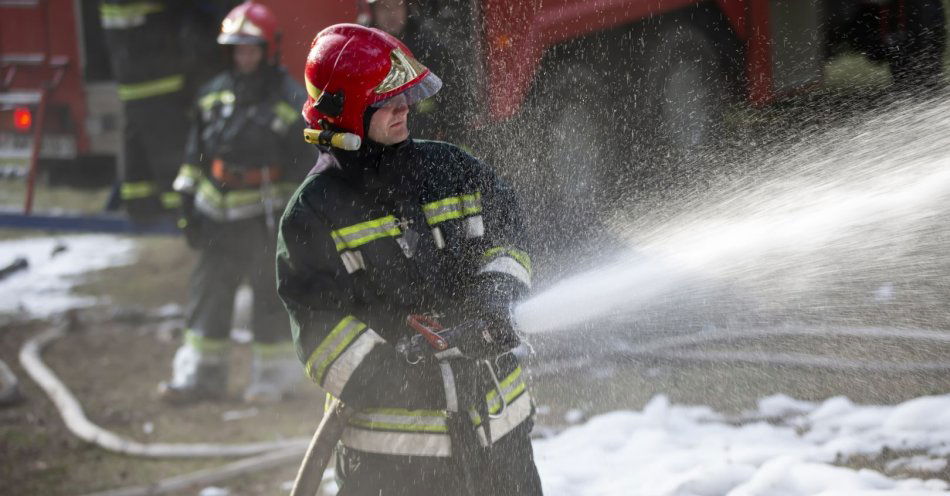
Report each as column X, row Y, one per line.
column 196, row 375
column 275, row 371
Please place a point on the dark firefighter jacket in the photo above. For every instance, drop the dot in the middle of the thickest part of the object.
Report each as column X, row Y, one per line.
column 161, row 47
column 375, row 235
column 244, row 156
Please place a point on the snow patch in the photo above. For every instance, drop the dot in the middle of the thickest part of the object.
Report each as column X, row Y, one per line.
column 42, row 289
column 674, row 450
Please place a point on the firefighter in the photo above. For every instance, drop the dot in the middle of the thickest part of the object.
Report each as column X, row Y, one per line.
column 156, row 77
column 398, row 227
column 243, row 159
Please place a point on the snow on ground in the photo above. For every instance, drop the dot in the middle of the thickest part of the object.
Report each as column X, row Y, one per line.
column 693, row 451
column 43, row 288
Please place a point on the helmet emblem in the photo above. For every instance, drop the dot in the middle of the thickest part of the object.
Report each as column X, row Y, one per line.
column 403, row 69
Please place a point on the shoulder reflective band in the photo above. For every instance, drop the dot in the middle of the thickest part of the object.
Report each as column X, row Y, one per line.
column 127, row 16
column 336, row 358
column 359, row 234
column 453, row 207
column 148, row 89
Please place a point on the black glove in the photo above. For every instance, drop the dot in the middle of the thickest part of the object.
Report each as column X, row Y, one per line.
column 492, row 304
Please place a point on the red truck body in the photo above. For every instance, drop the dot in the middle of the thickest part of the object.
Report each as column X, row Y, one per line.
column 42, row 44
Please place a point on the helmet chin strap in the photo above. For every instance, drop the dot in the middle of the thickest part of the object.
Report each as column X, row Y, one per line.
column 344, row 141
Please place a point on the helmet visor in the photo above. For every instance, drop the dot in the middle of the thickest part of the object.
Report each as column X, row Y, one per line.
column 427, row 87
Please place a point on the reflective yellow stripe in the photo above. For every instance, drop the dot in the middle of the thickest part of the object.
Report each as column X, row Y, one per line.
column 399, row 419
column 330, row 348
column 443, row 210
column 152, row 88
column 359, row 234
column 130, row 10
column 230, row 199
column 187, row 179
column 204, row 344
column 190, row 171
column 286, row 113
column 520, row 256
column 453, row 207
column 171, row 200
column 127, row 16
column 138, row 190
column 512, row 386
column 273, row 349
column 224, row 96
column 472, row 204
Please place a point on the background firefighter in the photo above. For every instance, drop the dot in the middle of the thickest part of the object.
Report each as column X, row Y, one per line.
column 160, row 52
column 430, row 32
column 243, row 160
column 402, row 227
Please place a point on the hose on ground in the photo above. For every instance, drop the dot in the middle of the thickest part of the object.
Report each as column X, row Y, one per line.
column 80, row 425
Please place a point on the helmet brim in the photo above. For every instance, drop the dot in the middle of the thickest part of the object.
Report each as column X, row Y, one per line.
column 240, row 39
column 427, row 87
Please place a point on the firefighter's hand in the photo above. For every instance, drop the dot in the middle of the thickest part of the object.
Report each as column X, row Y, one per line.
column 493, row 307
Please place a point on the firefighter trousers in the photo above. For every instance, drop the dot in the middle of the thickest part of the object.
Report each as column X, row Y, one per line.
column 505, row 469
column 231, row 253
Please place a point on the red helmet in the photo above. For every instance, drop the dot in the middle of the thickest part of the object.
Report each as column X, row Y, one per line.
column 250, row 23
column 351, row 68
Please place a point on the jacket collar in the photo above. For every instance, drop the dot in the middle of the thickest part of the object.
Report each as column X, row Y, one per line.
column 374, row 165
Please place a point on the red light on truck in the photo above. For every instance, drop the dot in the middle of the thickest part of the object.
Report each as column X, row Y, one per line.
column 22, row 119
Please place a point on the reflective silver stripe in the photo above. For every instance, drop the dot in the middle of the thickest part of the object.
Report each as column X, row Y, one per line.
column 517, row 412
column 344, row 366
column 474, row 227
column 352, row 260
column 510, row 266
column 397, row 443
column 448, row 381
column 437, row 236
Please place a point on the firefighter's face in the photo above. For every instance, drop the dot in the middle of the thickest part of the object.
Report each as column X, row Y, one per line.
column 390, row 124
column 390, row 16
column 247, row 58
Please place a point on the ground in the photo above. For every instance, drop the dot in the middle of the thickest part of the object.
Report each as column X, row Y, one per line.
column 117, row 357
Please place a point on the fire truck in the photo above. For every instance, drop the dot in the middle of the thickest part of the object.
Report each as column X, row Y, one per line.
column 561, row 87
